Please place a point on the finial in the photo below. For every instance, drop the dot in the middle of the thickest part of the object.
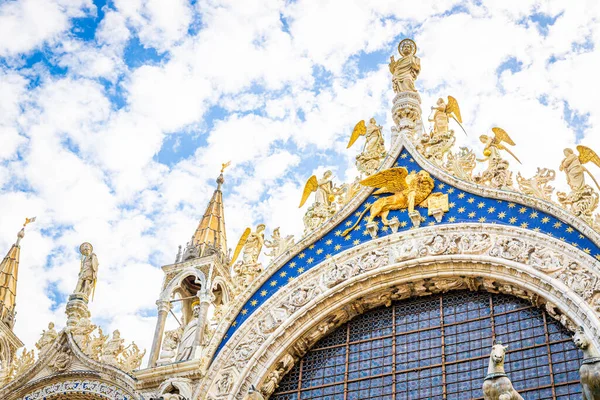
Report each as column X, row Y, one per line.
column 21, row 233
column 225, row 165
column 221, row 179
column 28, row 221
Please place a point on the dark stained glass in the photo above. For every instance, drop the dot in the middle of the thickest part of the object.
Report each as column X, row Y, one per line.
column 438, row 347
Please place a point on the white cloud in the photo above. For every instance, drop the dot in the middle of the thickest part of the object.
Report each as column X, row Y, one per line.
column 37, row 22
column 13, row 90
column 159, row 24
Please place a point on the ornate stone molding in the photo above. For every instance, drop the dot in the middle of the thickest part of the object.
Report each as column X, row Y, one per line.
column 58, row 360
column 401, row 142
column 79, row 386
column 419, row 262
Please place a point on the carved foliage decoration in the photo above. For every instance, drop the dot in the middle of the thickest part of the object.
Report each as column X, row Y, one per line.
column 569, row 266
column 538, row 185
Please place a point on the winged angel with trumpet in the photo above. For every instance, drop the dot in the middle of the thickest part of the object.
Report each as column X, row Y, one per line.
column 408, row 191
column 497, row 173
column 373, row 151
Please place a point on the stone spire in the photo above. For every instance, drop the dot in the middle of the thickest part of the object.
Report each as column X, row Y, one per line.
column 210, row 236
column 9, row 273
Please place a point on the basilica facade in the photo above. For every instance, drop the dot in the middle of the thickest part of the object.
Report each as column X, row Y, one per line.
column 433, row 275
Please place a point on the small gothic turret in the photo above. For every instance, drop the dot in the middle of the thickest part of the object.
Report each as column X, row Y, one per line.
column 9, row 273
column 198, row 287
column 210, row 237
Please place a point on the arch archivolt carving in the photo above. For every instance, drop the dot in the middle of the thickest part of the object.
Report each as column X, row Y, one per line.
column 79, row 389
column 400, row 143
column 563, row 280
column 5, row 353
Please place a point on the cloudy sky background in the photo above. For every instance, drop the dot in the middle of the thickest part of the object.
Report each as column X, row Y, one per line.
column 116, row 116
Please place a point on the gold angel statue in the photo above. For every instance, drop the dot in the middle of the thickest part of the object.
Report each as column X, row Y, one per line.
column 441, row 139
column 443, row 112
column 323, row 188
column 408, row 191
column 373, row 151
column 497, row 174
column 583, row 199
column 495, row 143
column 252, row 243
column 324, row 205
column 573, row 166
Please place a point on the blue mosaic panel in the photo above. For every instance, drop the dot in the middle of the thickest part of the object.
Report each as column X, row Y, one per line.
column 465, row 207
column 438, row 348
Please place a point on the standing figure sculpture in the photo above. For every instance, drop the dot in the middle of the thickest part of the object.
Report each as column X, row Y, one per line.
column 497, row 174
column 583, row 199
column 277, row 244
column 406, row 69
column 112, row 349
column 187, row 344
column 441, row 139
column 48, row 337
column 251, row 243
column 324, row 205
column 88, row 274
column 497, row 385
column 589, row 372
column 373, row 151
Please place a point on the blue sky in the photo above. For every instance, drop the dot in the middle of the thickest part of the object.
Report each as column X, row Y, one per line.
column 116, row 115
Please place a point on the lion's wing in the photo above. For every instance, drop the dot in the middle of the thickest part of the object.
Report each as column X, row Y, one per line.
column 391, row 180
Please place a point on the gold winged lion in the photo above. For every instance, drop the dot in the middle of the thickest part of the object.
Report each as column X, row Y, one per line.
column 408, row 191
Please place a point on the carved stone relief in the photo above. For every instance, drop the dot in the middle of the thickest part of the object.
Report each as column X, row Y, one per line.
column 555, row 260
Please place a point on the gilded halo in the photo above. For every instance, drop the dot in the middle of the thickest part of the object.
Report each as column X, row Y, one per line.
column 411, row 43
column 86, row 244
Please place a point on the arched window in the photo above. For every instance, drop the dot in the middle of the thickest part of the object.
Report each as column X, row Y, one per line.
column 438, row 347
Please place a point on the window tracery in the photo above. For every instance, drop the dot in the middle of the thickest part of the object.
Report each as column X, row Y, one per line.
column 437, row 348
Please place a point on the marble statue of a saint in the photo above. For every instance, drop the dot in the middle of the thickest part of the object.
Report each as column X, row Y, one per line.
column 188, row 337
column 48, row 337
column 112, row 349
column 88, row 273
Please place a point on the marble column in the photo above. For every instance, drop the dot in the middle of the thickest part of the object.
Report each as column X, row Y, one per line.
column 163, row 309
column 205, row 300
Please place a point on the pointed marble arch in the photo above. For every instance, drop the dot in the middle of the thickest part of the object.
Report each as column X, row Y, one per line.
column 172, row 283
column 235, row 317
column 220, row 283
column 494, row 258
